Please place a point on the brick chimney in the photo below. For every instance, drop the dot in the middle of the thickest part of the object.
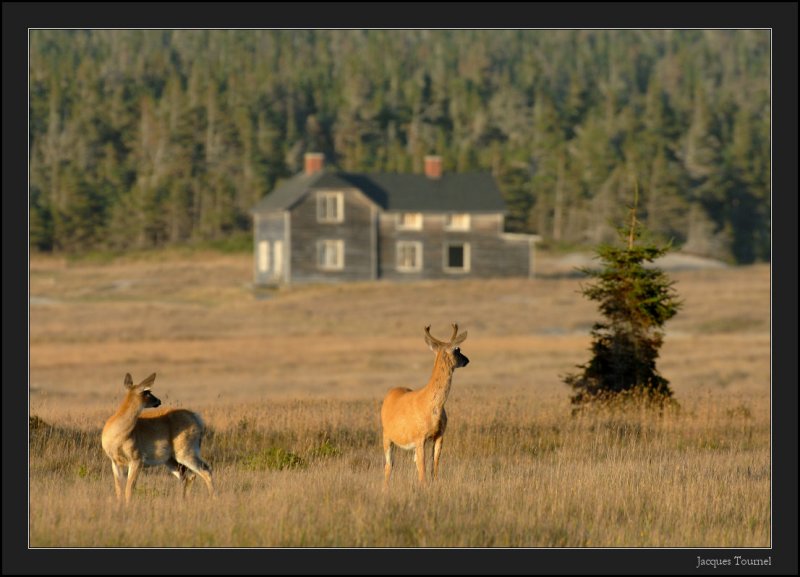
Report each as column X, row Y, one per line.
column 433, row 166
column 314, row 162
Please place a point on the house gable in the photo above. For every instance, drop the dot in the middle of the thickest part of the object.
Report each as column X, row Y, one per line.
column 312, row 236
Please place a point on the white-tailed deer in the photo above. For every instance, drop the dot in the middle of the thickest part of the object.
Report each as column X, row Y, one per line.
column 412, row 418
column 168, row 437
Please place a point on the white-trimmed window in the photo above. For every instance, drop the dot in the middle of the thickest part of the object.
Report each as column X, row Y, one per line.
column 409, row 221
column 457, row 257
column 458, row 221
column 409, row 256
column 330, row 207
column 330, row 254
column 263, row 256
column 277, row 260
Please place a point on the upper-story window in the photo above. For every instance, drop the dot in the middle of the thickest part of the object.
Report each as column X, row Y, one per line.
column 330, row 207
column 457, row 221
column 409, row 221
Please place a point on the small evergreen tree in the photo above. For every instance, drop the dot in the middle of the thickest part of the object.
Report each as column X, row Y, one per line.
column 636, row 301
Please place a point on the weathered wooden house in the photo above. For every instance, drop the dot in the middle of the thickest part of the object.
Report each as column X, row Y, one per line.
column 323, row 226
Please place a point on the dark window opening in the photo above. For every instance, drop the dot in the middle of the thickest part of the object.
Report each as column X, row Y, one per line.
column 455, row 256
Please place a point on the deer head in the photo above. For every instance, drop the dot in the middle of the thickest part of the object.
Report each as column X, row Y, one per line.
column 449, row 351
column 141, row 393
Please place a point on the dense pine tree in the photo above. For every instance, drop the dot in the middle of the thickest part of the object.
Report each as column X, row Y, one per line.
column 635, row 301
column 176, row 134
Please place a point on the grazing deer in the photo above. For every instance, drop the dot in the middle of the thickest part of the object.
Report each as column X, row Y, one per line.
column 411, row 418
column 168, row 437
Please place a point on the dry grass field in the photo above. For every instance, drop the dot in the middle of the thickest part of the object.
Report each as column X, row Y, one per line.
column 290, row 383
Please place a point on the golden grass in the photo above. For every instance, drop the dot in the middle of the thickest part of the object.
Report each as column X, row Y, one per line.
column 514, row 473
column 291, row 385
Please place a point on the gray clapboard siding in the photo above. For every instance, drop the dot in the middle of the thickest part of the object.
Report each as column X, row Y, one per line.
column 355, row 230
column 490, row 254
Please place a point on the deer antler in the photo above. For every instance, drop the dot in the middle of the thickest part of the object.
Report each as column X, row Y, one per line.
column 437, row 341
column 431, row 337
column 455, row 332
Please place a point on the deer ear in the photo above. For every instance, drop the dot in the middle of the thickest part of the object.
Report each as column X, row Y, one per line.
column 128, row 381
column 432, row 343
column 459, row 339
column 148, row 381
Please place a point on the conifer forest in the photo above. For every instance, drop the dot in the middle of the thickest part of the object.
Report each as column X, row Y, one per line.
column 149, row 138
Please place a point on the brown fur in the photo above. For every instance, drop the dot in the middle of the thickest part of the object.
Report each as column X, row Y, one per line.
column 169, row 437
column 412, row 418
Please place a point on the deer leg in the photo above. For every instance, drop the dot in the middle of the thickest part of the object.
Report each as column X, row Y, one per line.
column 419, row 457
column 182, row 473
column 133, row 473
column 196, row 465
column 119, row 478
column 174, row 468
column 388, row 453
column 437, row 452
column 188, row 478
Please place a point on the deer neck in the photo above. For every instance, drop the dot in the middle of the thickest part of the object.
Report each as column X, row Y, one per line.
column 438, row 387
column 125, row 418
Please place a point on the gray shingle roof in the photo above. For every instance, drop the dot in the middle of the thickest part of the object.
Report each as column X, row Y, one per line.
column 466, row 192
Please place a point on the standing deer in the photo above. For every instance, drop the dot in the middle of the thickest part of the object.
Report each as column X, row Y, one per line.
column 411, row 418
column 168, row 437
